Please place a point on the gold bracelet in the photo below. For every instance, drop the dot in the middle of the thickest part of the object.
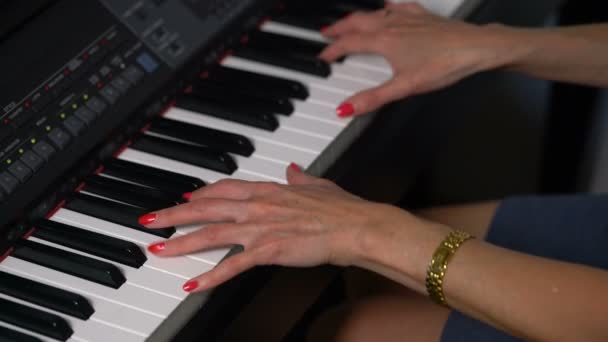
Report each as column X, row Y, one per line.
column 439, row 264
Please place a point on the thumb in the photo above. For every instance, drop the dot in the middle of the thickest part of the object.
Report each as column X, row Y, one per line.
column 372, row 99
column 296, row 176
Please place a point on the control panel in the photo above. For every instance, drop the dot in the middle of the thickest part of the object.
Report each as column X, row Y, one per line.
column 73, row 92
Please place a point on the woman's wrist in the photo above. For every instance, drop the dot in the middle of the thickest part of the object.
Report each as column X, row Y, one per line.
column 403, row 250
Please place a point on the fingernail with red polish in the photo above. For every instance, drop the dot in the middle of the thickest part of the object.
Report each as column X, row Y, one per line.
column 190, row 286
column 295, row 167
column 157, row 247
column 187, row 196
column 324, row 28
column 345, row 110
column 147, row 219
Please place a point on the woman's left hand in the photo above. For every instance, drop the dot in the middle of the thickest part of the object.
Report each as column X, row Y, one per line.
column 309, row 222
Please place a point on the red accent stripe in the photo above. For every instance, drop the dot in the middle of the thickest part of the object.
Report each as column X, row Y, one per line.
column 99, row 170
column 54, row 211
column 122, row 149
column 170, row 105
column 29, row 233
column 6, row 254
column 80, row 187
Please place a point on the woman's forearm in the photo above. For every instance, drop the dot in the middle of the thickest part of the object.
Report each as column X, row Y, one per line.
column 577, row 54
column 548, row 300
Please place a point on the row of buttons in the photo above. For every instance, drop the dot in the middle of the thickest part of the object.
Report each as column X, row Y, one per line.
column 21, row 170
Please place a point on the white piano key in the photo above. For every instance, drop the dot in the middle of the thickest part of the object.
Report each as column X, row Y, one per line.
column 320, row 112
column 127, row 295
column 112, row 316
column 308, row 126
column 95, row 329
column 370, row 62
column 372, row 77
column 182, row 268
column 293, row 141
column 252, row 165
column 292, row 31
column 337, row 88
column 213, row 256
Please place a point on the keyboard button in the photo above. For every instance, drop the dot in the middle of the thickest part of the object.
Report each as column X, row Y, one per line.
column 8, row 182
column 195, row 155
column 133, row 74
column 74, row 264
column 147, row 62
column 60, row 138
column 86, row 114
column 103, row 246
column 38, row 321
column 46, row 296
column 96, row 104
column 32, row 160
column 115, row 212
column 20, row 171
column 110, row 94
column 166, row 181
column 121, row 85
column 203, row 136
column 44, row 150
column 74, row 125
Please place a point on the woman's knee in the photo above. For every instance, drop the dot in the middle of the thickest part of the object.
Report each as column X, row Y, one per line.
column 383, row 318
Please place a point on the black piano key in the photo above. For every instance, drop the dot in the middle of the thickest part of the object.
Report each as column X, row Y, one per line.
column 166, row 181
column 209, row 91
column 46, row 296
column 81, row 266
column 107, row 247
column 190, row 154
column 307, row 20
column 35, row 320
column 246, row 116
column 115, row 212
column 275, row 42
column 260, row 84
column 140, row 196
column 212, row 138
column 312, row 66
column 8, row 335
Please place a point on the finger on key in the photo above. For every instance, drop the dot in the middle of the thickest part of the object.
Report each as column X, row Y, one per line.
column 201, row 211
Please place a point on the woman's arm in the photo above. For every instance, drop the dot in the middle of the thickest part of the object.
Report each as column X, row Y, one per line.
column 428, row 52
column 577, row 54
column 534, row 298
column 313, row 222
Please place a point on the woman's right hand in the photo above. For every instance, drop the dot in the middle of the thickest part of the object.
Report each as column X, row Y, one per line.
column 427, row 52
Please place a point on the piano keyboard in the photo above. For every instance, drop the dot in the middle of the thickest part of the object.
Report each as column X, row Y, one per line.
column 59, row 286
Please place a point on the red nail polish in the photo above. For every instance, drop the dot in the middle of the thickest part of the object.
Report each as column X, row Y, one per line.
column 157, row 247
column 187, row 196
column 295, row 167
column 345, row 110
column 324, row 28
column 190, row 286
column 147, row 219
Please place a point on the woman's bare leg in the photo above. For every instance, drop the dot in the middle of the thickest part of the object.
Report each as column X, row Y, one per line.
column 382, row 310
